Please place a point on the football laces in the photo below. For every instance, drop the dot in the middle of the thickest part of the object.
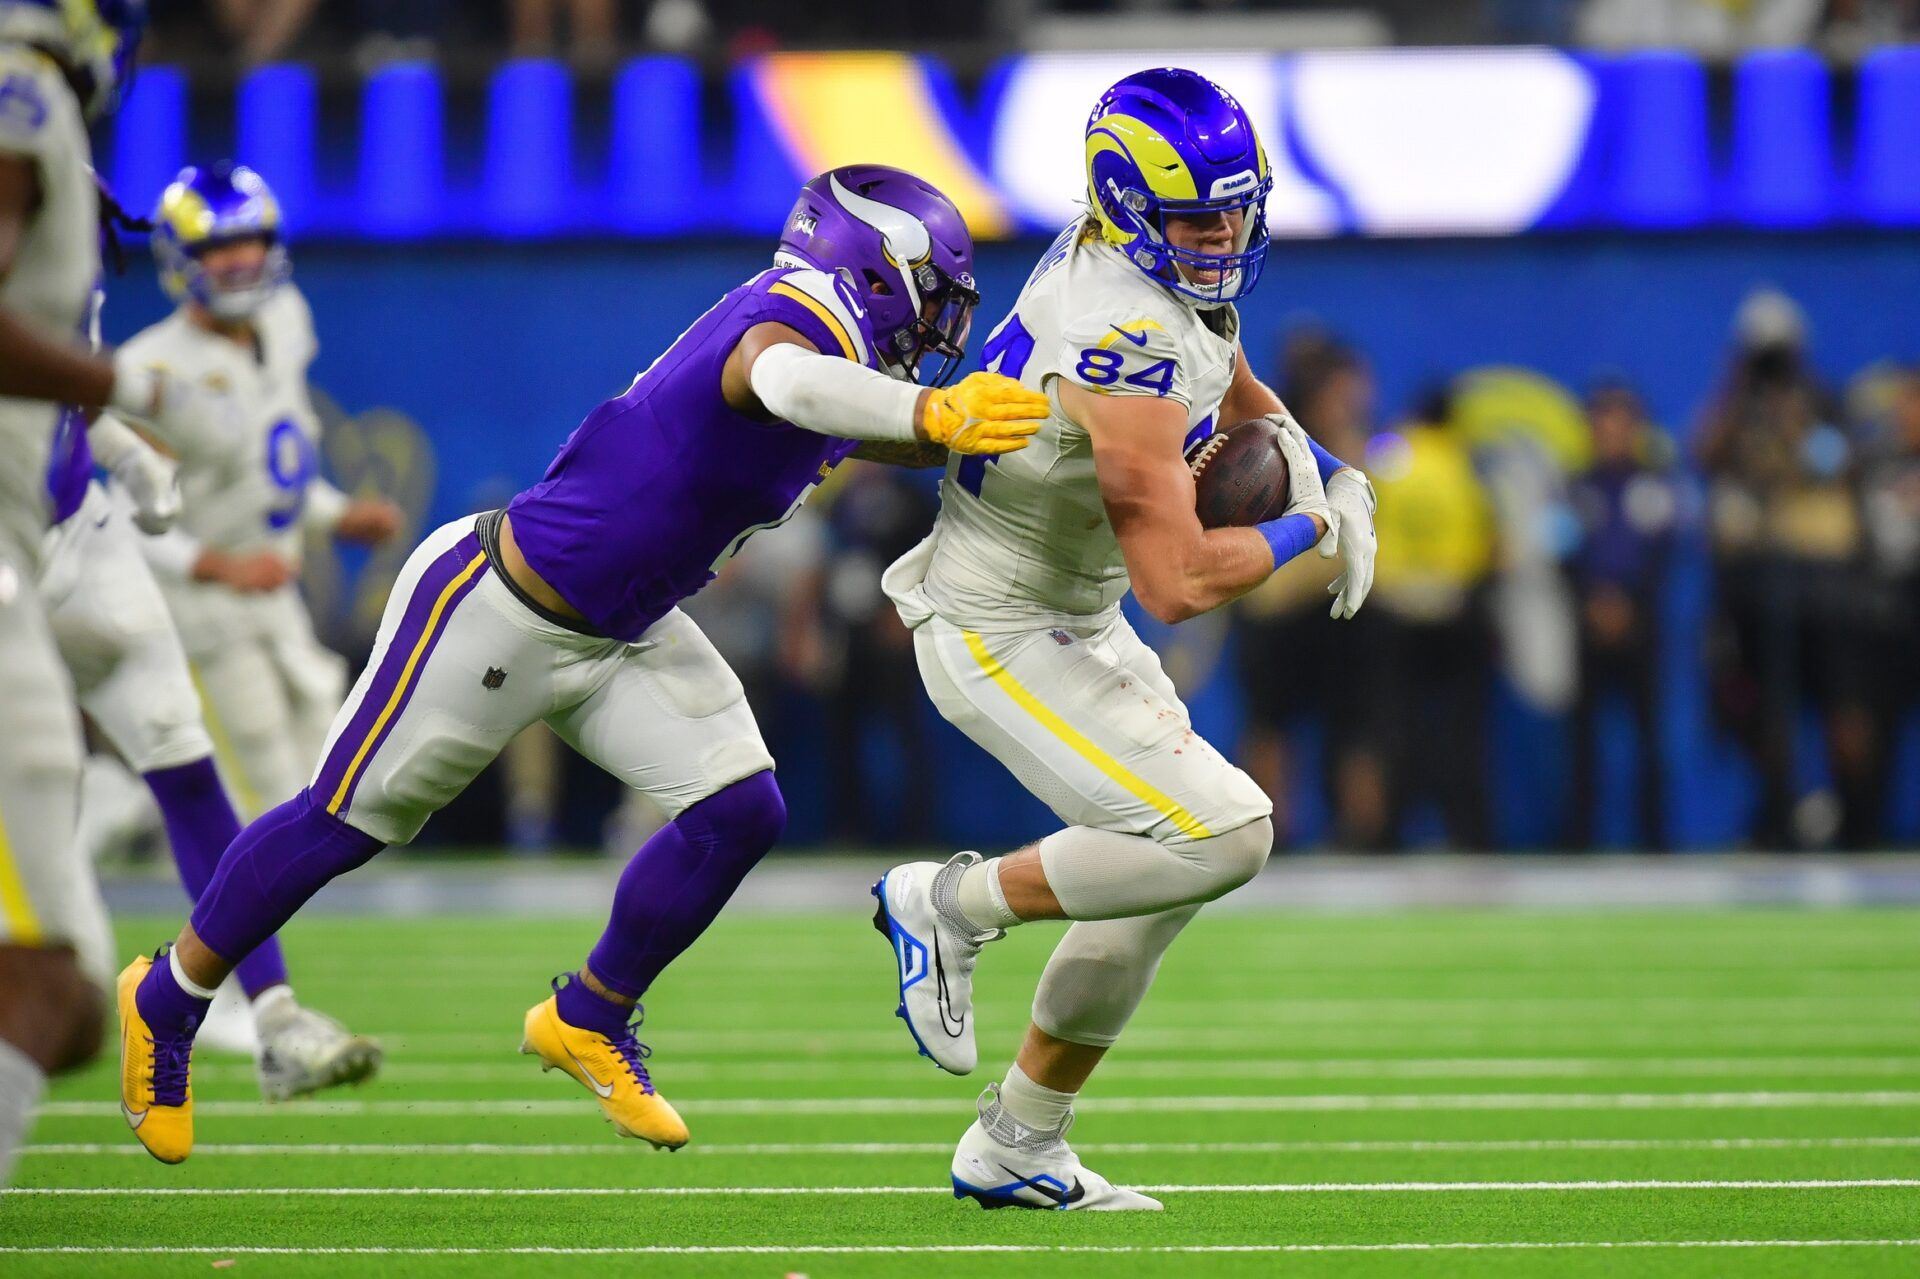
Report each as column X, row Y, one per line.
column 1197, row 462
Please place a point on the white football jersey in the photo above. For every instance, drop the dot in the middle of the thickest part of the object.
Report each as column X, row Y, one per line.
column 51, row 284
column 250, row 482
column 1023, row 540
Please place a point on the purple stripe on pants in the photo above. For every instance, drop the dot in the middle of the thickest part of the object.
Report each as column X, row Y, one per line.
column 366, row 722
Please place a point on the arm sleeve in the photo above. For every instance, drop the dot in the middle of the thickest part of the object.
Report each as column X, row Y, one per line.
column 833, row 396
column 1325, row 462
column 112, row 440
column 1289, row 536
column 1132, row 355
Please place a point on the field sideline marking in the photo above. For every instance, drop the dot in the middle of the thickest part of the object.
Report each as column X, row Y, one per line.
column 707, row 1250
column 118, row 1148
column 1769, row 1100
column 1249, row 1188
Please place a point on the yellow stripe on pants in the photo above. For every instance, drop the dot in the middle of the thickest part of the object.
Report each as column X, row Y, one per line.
column 1135, row 785
column 231, row 771
column 22, row 926
column 427, row 633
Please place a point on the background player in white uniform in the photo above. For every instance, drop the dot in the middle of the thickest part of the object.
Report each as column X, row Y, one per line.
column 1127, row 326
column 60, row 65
column 119, row 644
column 268, row 687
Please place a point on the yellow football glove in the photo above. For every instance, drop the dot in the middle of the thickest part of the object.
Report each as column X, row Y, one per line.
column 983, row 413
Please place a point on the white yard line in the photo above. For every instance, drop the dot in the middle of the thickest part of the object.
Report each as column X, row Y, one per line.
column 1212, row 1009
column 709, row 1250
column 763, row 1148
column 1314, row 1102
column 1140, row 1067
column 841, row 1043
column 1261, row 1188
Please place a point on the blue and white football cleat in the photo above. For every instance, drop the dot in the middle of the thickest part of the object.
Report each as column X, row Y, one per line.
column 936, row 948
column 1001, row 1163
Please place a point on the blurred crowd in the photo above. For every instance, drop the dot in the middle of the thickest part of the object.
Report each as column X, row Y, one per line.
column 595, row 33
column 1510, row 551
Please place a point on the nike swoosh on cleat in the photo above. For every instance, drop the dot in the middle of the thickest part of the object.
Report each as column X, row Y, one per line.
column 1060, row 1197
column 605, row 1090
column 953, row 1026
column 1138, row 339
column 133, row 1120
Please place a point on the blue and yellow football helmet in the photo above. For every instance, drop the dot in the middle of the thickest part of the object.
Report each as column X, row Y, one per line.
column 96, row 39
column 211, row 205
column 1168, row 142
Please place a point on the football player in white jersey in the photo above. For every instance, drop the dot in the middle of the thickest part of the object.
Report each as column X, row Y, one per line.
column 250, row 489
column 62, row 63
column 119, row 644
column 1128, row 326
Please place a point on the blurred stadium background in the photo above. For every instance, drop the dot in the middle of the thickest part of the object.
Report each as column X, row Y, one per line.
column 1612, row 295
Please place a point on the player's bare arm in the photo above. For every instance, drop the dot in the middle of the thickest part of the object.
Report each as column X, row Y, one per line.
column 916, row 456
column 1349, row 492
column 32, row 366
column 1179, row 569
column 35, row 367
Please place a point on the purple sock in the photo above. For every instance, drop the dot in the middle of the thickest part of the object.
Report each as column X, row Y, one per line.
column 677, row 883
column 580, row 1007
column 200, row 824
column 166, row 1006
column 271, row 870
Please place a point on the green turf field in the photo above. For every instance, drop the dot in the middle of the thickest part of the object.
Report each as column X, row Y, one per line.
column 1409, row 1094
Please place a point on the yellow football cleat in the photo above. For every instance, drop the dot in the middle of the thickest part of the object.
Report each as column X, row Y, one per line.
column 155, row 1095
column 611, row 1068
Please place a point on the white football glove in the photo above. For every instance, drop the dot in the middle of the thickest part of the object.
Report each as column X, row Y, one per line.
column 172, row 407
column 147, row 477
column 1305, row 494
column 1350, row 495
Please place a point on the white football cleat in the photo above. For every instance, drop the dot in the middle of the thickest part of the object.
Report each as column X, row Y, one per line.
column 229, row 1024
column 935, row 948
column 1001, row 1163
column 302, row 1051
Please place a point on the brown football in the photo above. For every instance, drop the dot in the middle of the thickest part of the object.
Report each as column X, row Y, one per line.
column 1239, row 475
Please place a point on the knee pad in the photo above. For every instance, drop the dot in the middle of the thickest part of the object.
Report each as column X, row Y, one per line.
column 1232, row 858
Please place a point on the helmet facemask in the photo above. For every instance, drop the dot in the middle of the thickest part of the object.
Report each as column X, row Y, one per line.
column 235, row 294
column 1185, row 271
column 943, row 315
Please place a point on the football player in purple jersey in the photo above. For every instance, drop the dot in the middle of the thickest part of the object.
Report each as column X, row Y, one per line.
column 563, row 607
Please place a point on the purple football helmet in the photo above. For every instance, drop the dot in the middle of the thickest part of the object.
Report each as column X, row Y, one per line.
column 904, row 251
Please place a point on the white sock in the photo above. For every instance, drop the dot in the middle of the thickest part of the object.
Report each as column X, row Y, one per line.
column 273, row 1005
column 21, row 1084
column 271, row 996
column 981, row 898
column 1036, row 1106
column 185, row 982
column 1033, row 1104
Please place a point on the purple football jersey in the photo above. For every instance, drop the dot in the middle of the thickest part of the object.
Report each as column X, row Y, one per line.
column 657, row 488
column 70, row 466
